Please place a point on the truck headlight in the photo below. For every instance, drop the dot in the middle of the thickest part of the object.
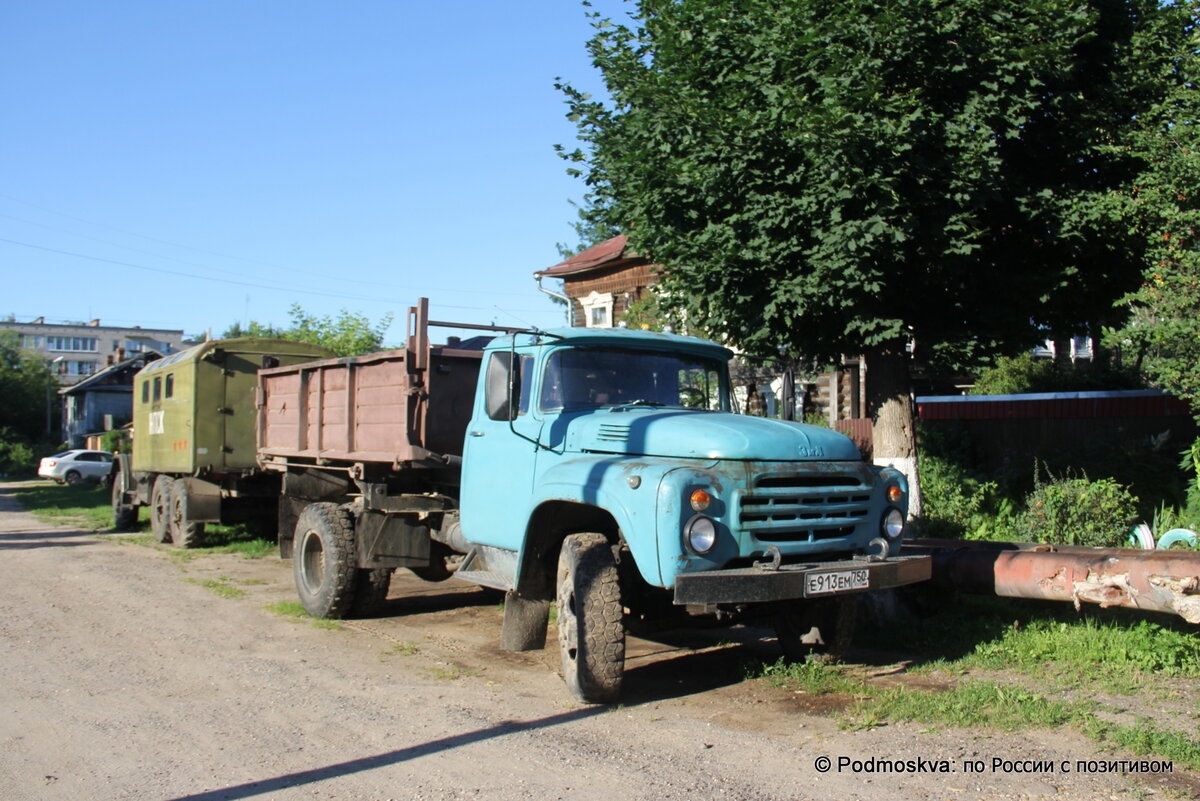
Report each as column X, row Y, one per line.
column 893, row 523
column 700, row 534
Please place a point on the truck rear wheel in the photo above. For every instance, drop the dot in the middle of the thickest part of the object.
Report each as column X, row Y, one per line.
column 160, row 509
column 591, row 630
column 323, row 560
column 813, row 628
column 125, row 514
column 184, row 532
column 370, row 590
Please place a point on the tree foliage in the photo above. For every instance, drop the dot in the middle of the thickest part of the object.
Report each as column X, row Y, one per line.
column 347, row 334
column 25, row 386
column 1163, row 206
column 837, row 176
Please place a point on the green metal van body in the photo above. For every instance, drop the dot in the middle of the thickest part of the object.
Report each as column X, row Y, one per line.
column 194, row 412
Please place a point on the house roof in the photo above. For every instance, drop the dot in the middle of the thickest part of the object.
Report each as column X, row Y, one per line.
column 607, row 254
column 98, row 378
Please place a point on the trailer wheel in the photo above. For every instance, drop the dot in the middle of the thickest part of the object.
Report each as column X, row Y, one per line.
column 125, row 514
column 184, row 532
column 370, row 591
column 160, row 509
column 591, row 630
column 824, row 626
column 323, row 560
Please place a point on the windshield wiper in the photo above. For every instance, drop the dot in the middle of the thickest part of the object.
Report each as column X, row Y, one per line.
column 642, row 402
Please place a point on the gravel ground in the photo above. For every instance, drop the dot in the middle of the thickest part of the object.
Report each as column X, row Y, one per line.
column 127, row 678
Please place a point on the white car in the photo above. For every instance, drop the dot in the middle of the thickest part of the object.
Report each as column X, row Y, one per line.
column 72, row 467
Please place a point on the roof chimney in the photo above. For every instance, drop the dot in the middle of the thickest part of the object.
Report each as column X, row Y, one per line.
column 94, row 323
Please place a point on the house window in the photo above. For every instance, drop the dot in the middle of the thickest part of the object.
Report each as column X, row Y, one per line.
column 31, row 341
column 597, row 309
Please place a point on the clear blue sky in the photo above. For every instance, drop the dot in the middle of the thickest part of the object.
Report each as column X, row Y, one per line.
column 338, row 154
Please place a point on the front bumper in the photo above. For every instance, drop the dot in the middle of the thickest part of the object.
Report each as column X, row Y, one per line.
column 788, row 582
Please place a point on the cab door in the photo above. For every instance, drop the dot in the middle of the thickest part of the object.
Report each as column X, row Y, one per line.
column 500, row 453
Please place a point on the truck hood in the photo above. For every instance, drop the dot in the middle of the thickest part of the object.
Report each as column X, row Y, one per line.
column 691, row 434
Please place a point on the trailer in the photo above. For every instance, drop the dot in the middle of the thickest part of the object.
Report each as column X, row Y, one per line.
column 193, row 460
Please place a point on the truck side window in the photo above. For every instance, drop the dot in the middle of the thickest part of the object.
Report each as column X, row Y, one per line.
column 497, row 401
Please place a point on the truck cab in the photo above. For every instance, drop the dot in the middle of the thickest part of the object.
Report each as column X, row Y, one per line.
column 614, row 459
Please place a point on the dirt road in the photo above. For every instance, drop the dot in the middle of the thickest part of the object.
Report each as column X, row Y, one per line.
column 127, row 674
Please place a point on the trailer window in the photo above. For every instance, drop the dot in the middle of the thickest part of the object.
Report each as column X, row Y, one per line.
column 157, row 387
column 146, row 391
column 499, row 380
column 169, row 389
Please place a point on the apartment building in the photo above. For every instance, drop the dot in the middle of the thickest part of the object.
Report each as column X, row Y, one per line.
column 76, row 352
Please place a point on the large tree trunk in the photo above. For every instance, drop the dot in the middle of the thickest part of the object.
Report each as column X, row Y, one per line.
column 889, row 403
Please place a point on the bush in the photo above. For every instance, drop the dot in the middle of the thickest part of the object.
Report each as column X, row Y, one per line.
column 1013, row 375
column 16, row 457
column 1078, row 511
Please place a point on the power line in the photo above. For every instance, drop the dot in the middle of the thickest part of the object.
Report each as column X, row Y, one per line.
column 254, row 285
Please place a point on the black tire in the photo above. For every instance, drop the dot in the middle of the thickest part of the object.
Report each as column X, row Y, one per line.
column 160, row 509
column 591, row 630
column 438, row 568
column 323, row 560
column 823, row 627
column 72, row 477
column 125, row 514
column 370, row 591
column 185, row 533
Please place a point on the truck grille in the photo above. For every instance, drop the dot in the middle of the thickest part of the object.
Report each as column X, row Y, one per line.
column 804, row 507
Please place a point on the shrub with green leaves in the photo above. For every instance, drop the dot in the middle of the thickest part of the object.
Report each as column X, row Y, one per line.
column 1078, row 511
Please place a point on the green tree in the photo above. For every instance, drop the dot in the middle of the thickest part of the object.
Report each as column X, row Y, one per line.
column 28, row 391
column 252, row 329
column 854, row 176
column 1163, row 206
column 347, row 334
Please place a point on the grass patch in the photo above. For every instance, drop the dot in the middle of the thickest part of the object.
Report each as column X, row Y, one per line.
column 404, row 648
column 222, row 587
column 969, row 705
column 1074, row 661
column 245, row 548
column 813, row 677
column 294, row 610
column 84, row 506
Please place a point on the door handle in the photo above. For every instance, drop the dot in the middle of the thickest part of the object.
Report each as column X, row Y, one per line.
column 476, row 433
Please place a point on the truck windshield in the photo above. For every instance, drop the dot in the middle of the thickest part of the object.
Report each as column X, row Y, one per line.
column 581, row 378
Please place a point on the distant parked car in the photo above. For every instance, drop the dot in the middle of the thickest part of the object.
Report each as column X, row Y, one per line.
column 72, row 467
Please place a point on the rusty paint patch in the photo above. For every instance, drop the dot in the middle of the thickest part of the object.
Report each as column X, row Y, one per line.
column 1106, row 590
column 1185, row 594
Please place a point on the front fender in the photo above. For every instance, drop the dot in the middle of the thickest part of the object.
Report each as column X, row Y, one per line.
column 623, row 487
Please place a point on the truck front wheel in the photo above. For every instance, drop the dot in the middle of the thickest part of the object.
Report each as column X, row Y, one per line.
column 823, row 626
column 323, row 560
column 160, row 509
column 125, row 514
column 591, row 630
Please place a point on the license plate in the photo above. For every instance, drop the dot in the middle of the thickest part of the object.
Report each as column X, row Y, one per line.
column 836, row 581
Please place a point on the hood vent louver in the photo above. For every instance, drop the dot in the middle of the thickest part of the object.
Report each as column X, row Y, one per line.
column 613, row 432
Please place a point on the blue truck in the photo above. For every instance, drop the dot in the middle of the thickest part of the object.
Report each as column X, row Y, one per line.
column 602, row 470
